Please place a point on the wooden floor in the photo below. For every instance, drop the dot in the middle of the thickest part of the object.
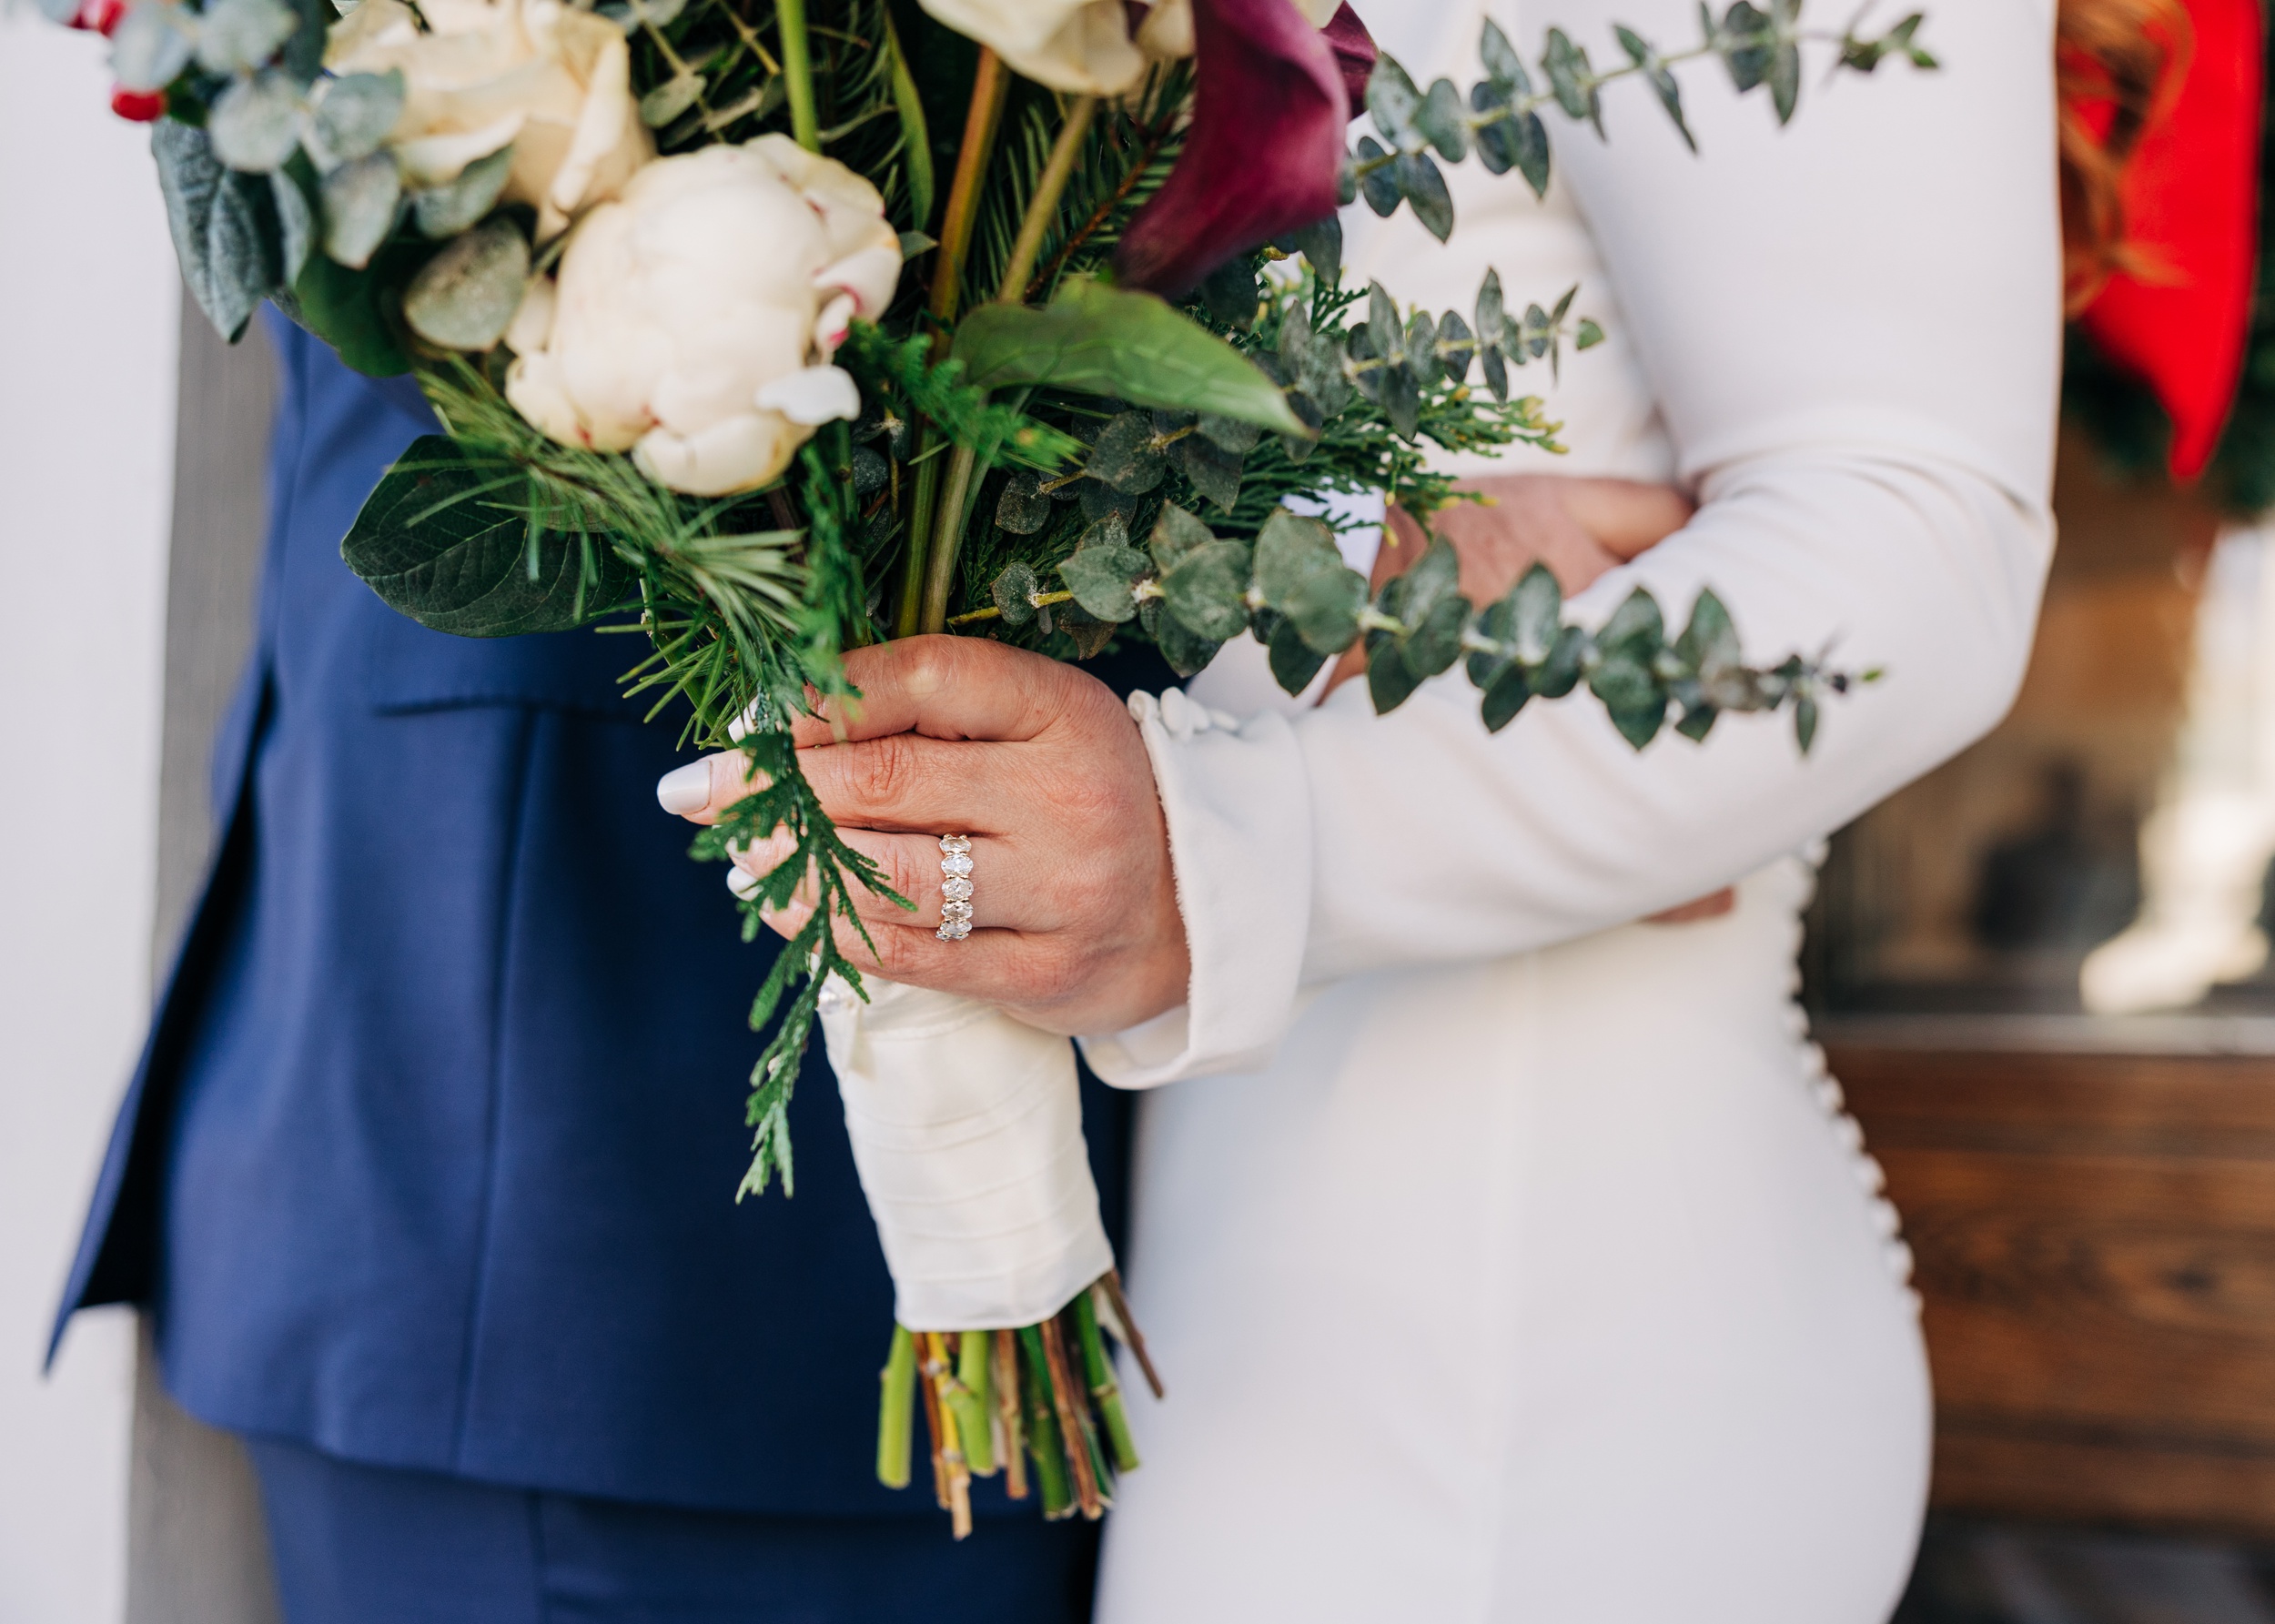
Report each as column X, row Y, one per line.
column 1981, row 1572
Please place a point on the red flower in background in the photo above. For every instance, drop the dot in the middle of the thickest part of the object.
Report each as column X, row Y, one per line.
column 1271, row 98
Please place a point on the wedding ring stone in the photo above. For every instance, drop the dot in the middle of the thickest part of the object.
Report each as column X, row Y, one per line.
column 955, row 885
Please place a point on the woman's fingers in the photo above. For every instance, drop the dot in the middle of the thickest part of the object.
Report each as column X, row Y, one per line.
column 1000, row 891
column 946, row 688
column 903, row 781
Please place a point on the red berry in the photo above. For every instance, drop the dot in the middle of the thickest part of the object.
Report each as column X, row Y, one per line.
column 138, row 107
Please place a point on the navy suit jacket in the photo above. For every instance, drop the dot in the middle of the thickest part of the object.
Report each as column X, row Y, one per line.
column 429, row 1159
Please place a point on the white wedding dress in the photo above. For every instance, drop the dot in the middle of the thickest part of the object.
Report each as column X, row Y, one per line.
column 1507, row 1262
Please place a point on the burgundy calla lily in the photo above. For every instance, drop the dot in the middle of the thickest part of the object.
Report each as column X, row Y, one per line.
column 1354, row 50
column 1271, row 98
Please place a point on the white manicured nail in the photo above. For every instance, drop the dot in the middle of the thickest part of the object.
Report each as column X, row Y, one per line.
column 685, row 790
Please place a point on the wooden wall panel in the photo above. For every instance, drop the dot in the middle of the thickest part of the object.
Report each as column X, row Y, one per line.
column 2095, row 1245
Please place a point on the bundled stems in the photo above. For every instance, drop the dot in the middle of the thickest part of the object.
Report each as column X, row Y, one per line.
column 1105, row 1391
column 1042, row 209
column 951, row 1413
column 1005, row 1346
column 1042, row 1419
column 797, row 72
column 990, row 84
column 975, row 1419
column 896, row 1408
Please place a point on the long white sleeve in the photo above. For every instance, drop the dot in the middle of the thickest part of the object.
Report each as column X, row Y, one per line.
column 1851, row 329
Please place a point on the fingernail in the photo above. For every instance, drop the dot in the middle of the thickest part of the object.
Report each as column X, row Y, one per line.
column 685, row 790
column 741, row 884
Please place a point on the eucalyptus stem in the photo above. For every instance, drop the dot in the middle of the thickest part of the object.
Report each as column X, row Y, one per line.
column 1073, row 1424
column 897, row 1410
column 948, row 540
column 908, row 617
column 797, row 68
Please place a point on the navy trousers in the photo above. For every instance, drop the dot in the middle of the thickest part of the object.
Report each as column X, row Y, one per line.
column 369, row 1545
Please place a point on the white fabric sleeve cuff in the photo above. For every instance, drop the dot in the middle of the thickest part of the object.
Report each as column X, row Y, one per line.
column 966, row 1130
column 1236, row 798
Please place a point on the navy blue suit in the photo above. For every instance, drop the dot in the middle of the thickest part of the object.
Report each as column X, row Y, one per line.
column 429, row 1163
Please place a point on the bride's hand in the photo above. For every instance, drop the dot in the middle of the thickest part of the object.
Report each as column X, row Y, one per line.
column 1044, row 769
column 1578, row 527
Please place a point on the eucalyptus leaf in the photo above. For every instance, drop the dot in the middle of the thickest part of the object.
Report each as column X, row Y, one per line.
column 1229, row 294
column 1502, row 61
column 1390, row 681
column 1504, row 697
column 1294, row 662
column 1176, row 533
column 236, row 37
column 1378, row 186
column 1536, row 605
column 1442, row 121
column 1104, row 340
column 1395, row 104
column 1022, row 508
column 457, row 205
column 1012, row 593
column 465, row 297
column 1289, row 548
column 255, row 125
column 1208, row 590
column 445, row 538
column 1645, row 57
column 1321, row 244
column 1424, row 186
column 1229, row 434
column 1127, row 455
column 150, row 46
column 1571, row 80
column 349, row 117
column 1187, row 650
column 296, row 226
column 1210, row 470
column 360, row 202
column 1559, row 674
column 1104, row 579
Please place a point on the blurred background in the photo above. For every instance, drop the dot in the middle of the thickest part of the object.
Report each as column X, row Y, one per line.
column 2043, row 975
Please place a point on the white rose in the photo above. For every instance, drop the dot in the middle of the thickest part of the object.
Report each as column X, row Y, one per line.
column 1085, row 46
column 1082, row 47
column 694, row 317
column 554, row 81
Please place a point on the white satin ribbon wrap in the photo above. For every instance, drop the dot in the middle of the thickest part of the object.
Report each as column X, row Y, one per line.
column 967, row 1128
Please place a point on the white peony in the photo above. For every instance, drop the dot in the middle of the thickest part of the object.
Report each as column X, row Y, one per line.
column 694, row 317
column 552, row 81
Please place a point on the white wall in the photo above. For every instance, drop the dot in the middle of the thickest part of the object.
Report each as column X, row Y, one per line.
column 88, row 303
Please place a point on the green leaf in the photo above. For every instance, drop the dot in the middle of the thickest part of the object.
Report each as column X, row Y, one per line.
column 1805, row 722
column 296, row 225
column 1635, row 704
column 908, row 106
column 1441, row 119
column 1321, row 243
column 1324, row 607
column 1641, row 51
column 256, row 125
column 465, row 297
column 236, row 37
column 1504, row 697
column 1502, row 61
column 224, row 227
column 446, row 540
column 1571, row 80
column 1012, row 592
column 361, row 201
column 1710, row 639
column 1294, row 662
column 1208, row 590
column 1424, row 186
column 1588, row 334
column 1103, row 580
column 1378, row 185
column 1104, row 340
column 1559, row 674
column 1187, row 650
column 457, row 205
column 345, row 309
column 1395, row 104
column 1390, row 681
column 1176, row 533
column 1536, row 603
column 351, row 115
column 1290, row 547
column 1210, row 470
column 1124, row 454
column 1022, row 508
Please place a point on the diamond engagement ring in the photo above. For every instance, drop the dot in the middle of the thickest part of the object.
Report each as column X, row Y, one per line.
column 956, row 887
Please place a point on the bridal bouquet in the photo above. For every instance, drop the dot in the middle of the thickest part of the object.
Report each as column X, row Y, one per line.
column 726, row 362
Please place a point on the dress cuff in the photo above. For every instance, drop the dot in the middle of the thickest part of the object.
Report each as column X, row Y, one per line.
column 1235, row 796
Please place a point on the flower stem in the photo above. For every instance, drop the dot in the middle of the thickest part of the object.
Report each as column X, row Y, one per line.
column 897, row 1410
column 797, row 68
column 1043, row 208
column 990, row 85
column 1007, row 1389
column 1042, row 1425
column 974, row 1423
column 1104, row 1388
